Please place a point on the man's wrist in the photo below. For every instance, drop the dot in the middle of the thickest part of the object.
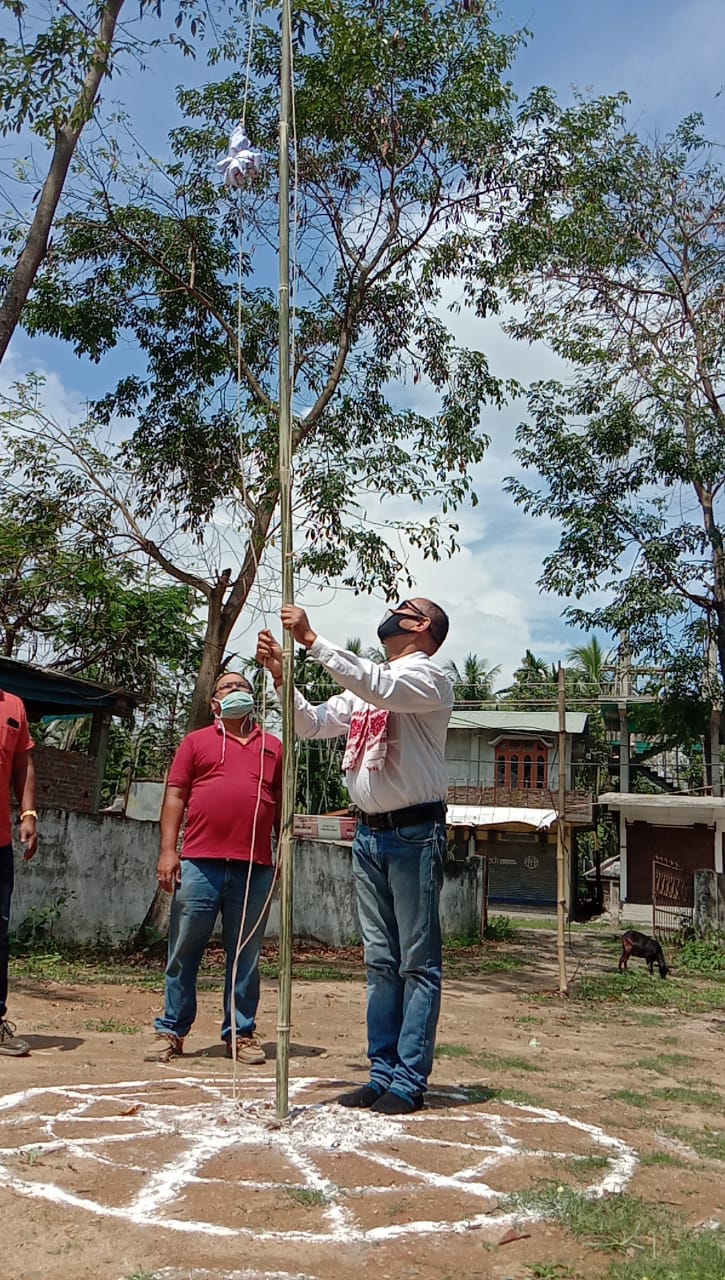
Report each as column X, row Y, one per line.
column 309, row 639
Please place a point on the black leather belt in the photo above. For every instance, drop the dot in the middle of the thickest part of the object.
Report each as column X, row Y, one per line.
column 434, row 812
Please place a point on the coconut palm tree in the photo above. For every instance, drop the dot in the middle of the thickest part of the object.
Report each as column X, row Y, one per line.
column 534, row 682
column 586, row 663
column 473, row 682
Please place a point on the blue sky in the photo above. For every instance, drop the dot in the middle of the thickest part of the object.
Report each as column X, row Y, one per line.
column 670, row 58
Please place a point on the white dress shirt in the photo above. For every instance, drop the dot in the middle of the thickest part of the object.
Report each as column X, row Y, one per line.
column 419, row 697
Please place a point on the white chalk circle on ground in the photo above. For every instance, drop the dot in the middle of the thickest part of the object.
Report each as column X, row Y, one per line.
column 184, row 1155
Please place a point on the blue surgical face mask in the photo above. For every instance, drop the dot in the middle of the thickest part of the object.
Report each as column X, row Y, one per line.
column 236, row 705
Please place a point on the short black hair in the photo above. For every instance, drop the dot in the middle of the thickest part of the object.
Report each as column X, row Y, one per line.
column 438, row 620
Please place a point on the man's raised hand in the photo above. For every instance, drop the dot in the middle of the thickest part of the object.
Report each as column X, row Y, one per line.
column 295, row 620
column 269, row 655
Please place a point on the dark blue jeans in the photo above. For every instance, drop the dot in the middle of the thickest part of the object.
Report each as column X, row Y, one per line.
column 6, row 893
column 398, row 875
column 208, row 886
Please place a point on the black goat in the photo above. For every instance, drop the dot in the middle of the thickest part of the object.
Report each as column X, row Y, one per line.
column 649, row 949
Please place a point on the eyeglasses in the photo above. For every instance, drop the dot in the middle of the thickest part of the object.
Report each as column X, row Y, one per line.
column 405, row 604
column 229, row 688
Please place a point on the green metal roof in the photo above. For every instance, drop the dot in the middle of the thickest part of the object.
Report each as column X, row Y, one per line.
column 519, row 721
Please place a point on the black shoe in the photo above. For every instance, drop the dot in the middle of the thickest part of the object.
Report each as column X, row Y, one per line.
column 365, row 1096
column 394, row 1104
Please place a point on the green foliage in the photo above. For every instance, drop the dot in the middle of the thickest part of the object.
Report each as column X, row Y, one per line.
column 630, row 450
column 68, row 596
column 110, row 1026
column 500, row 929
column 409, row 156
column 639, row 990
column 320, row 784
column 35, row 931
column 648, row 1241
column 307, row 1196
column 473, row 682
column 705, row 956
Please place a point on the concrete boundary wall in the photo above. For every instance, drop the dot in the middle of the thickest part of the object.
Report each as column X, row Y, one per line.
column 99, row 871
column 709, row 913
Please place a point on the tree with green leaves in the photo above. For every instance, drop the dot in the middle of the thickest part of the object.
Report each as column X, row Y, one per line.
column 630, row 448
column 472, row 682
column 409, row 158
column 71, row 599
column 587, row 668
column 51, row 76
column 534, row 682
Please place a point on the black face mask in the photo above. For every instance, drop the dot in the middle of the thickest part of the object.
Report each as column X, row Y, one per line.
column 390, row 626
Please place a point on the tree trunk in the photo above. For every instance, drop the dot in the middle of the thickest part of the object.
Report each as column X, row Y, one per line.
column 218, row 630
column 66, row 140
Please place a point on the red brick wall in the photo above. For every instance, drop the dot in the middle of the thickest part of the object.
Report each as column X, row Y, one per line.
column 64, row 778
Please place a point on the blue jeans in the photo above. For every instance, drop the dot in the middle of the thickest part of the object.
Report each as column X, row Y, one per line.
column 398, row 876
column 6, row 893
column 208, row 886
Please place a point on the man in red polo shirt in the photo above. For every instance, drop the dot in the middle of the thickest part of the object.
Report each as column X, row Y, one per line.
column 16, row 770
column 227, row 778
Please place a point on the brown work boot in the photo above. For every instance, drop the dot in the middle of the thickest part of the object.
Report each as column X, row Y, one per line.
column 249, row 1050
column 10, row 1043
column 165, row 1047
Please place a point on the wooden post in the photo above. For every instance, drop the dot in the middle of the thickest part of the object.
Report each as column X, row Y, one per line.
column 561, row 892
column 98, row 747
column 484, row 898
column 285, row 848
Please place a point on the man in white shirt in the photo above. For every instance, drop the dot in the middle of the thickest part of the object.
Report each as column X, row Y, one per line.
column 395, row 715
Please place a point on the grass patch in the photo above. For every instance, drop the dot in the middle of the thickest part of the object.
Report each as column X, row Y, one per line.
column 709, row 1143
column 551, row 1271
column 546, row 924
column 110, row 1025
column 637, row 990
column 664, row 1062
column 611, row 1224
column 500, row 1062
column 485, row 1093
column 581, row 1167
column 707, row 1099
column 488, row 1061
column 453, row 1051
column 664, row 1158
column 647, row 1241
column 528, row 1020
column 306, row 1195
column 694, row 1256
column 461, row 942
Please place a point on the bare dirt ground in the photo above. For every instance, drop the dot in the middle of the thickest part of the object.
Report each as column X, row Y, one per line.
column 113, row 1168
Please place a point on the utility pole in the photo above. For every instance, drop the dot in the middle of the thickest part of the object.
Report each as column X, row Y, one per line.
column 561, row 890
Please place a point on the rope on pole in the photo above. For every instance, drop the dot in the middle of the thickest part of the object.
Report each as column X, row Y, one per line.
column 286, row 839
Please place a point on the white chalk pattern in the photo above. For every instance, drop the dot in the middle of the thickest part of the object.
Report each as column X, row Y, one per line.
column 208, row 1122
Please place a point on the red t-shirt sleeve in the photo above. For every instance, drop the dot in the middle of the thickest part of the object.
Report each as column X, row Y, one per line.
column 181, row 773
column 23, row 741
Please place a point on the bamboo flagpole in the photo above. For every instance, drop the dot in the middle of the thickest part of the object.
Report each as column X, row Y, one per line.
column 560, row 841
column 285, row 850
